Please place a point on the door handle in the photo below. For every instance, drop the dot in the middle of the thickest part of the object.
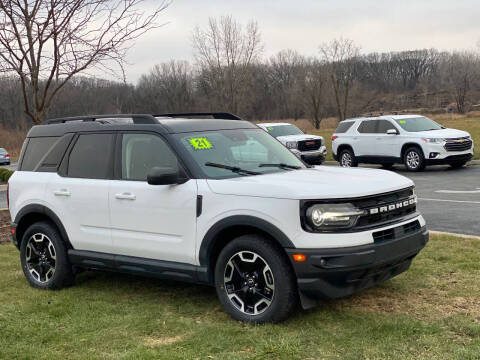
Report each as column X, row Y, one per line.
column 125, row 196
column 62, row 192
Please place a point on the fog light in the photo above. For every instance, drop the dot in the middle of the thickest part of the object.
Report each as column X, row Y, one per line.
column 433, row 155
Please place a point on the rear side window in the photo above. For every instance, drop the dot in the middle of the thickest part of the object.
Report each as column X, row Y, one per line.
column 35, row 150
column 91, row 157
column 367, row 127
column 343, row 127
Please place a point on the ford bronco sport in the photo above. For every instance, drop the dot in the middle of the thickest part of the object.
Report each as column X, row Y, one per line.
column 211, row 201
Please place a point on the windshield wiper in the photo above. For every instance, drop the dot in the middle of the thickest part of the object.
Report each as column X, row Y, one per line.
column 281, row 166
column 234, row 169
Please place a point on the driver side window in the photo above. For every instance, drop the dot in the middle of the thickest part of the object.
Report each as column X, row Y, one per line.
column 141, row 153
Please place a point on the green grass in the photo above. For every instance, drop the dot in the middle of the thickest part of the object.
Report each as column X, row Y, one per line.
column 470, row 124
column 432, row 311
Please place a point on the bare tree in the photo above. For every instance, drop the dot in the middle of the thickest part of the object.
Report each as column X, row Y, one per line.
column 167, row 88
column 315, row 84
column 287, row 73
column 341, row 56
column 47, row 42
column 225, row 52
column 462, row 71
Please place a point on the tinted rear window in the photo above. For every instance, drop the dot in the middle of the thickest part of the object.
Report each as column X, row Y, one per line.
column 91, row 157
column 343, row 127
column 368, row 127
column 35, row 151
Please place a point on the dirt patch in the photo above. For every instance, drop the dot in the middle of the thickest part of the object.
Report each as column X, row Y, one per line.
column 4, row 227
column 159, row 341
column 423, row 304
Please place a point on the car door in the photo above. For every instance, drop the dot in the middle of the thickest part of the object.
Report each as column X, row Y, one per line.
column 365, row 144
column 388, row 145
column 79, row 193
column 151, row 221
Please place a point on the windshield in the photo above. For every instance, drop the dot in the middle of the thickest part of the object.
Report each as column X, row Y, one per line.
column 284, row 130
column 420, row 123
column 242, row 152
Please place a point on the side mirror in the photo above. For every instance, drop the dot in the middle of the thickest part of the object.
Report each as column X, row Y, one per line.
column 392, row 132
column 165, row 176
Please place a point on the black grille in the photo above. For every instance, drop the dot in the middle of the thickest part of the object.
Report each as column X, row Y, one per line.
column 385, row 209
column 459, row 144
column 397, row 232
column 308, row 145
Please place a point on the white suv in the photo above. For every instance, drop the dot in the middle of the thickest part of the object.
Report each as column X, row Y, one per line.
column 195, row 200
column 414, row 140
column 309, row 148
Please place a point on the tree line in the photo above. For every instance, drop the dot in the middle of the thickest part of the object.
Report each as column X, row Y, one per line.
column 230, row 73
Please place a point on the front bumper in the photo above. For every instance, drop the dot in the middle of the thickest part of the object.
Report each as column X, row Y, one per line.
column 450, row 159
column 314, row 157
column 337, row 272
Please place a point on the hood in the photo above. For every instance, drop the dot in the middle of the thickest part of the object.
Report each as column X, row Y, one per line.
column 443, row 133
column 321, row 182
column 299, row 137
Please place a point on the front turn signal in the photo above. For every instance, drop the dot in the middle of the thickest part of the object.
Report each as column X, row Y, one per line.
column 299, row 257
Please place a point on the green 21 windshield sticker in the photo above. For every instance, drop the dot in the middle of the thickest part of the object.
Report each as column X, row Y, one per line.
column 200, row 143
column 402, row 122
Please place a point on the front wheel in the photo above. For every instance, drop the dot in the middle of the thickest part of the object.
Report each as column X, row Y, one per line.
column 254, row 281
column 414, row 159
column 347, row 158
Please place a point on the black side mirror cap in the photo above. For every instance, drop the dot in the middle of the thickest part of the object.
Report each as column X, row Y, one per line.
column 166, row 176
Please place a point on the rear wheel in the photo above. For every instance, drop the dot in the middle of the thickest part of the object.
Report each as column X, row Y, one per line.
column 44, row 258
column 254, row 281
column 347, row 158
column 458, row 164
column 414, row 159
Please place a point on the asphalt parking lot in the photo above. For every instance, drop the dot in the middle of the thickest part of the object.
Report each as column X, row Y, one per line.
column 449, row 199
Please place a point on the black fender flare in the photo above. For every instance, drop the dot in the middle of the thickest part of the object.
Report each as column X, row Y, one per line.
column 208, row 241
column 42, row 209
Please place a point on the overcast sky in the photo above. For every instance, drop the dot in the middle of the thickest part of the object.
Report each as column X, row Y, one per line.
column 375, row 25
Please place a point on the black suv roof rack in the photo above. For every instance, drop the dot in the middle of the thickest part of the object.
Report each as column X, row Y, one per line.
column 137, row 119
column 215, row 115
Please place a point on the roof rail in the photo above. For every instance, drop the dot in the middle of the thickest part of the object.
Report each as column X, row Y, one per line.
column 137, row 119
column 215, row 115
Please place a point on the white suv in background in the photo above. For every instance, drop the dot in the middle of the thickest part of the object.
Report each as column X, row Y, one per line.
column 309, row 148
column 413, row 140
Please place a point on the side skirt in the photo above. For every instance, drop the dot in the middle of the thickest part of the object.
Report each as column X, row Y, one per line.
column 379, row 160
column 139, row 266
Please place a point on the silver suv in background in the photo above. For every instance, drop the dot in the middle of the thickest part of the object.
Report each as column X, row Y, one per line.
column 309, row 148
column 413, row 140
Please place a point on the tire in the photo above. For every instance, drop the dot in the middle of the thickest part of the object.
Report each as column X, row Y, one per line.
column 347, row 158
column 43, row 249
column 245, row 294
column 414, row 159
column 458, row 164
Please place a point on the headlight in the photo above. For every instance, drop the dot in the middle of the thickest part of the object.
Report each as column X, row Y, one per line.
column 333, row 216
column 434, row 140
column 291, row 144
